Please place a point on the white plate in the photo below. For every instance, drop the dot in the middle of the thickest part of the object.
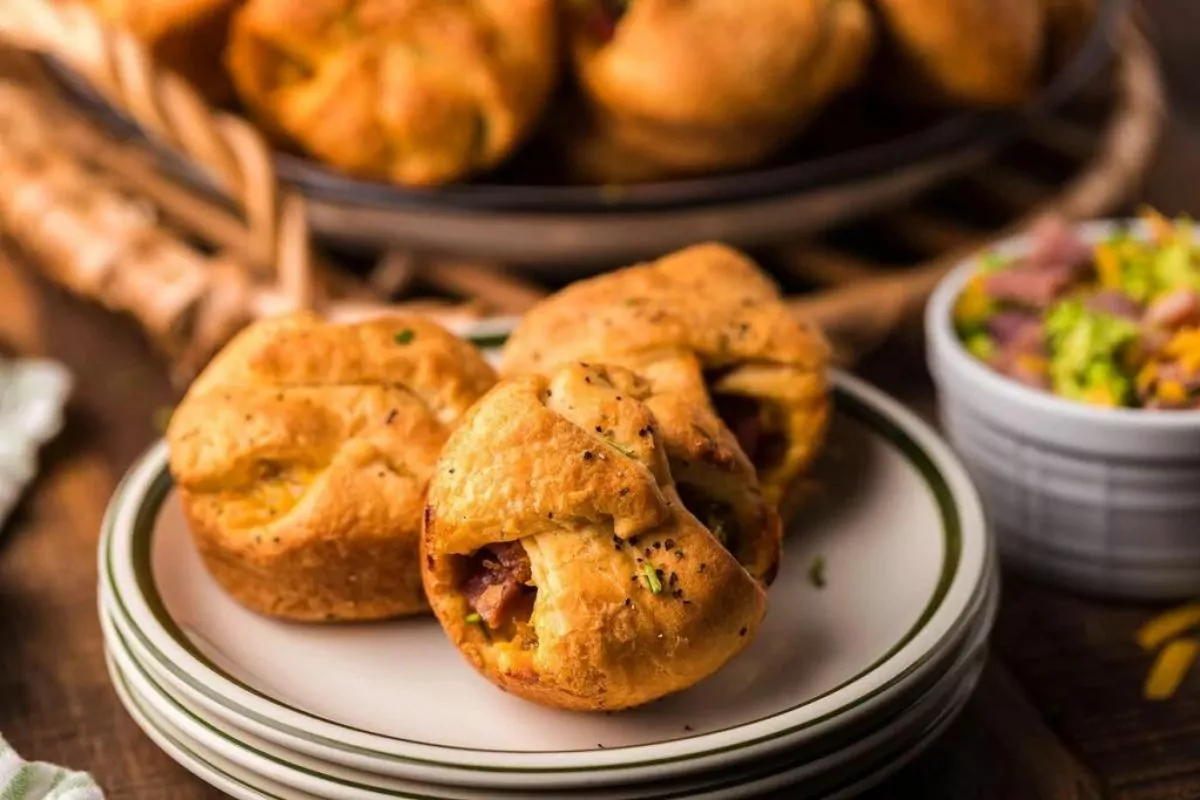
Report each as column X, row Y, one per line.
column 336, row 781
column 397, row 699
column 341, row 783
column 170, row 722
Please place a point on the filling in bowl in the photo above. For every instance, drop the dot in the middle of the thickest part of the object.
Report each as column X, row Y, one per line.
column 1116, row 324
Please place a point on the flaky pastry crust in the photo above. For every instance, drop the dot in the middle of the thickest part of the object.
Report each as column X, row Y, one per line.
column 975, row 52
column 302, row 453
column 710, row 332
column 417, row 92
column 685, row 87
column 628, row 597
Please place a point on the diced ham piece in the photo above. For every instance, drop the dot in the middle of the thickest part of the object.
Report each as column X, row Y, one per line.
column 741, row 415
column 1174, row 310
column 1057, row 259
column 1055, row 244
column 1019, row 353
column 1153, row 340
column 1006, row 326
column 1028, row 286
column 1114, row 303
column 1174, row 371
column 499, row 580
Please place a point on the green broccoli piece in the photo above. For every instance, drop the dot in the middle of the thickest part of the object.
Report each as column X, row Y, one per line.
column 1086, row 350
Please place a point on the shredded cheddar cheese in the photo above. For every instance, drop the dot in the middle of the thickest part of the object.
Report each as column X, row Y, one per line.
column 1170, row 668
column 1168, row 625
column 973, row 304
column 1161, row 229
column 1108, row 266
column 1033, row 364
column 1146, row 377
column 1185, row 346
column 1101, row 396
column 1172, row 392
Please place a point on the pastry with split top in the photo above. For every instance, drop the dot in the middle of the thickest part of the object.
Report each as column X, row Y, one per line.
column 302, row 453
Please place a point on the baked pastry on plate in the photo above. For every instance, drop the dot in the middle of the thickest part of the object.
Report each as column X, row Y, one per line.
column 972, row 52
column 302, row 453
column 559, row 558
column 678, row 88
column 416, row 92
column 710, row 333
column 188, row 36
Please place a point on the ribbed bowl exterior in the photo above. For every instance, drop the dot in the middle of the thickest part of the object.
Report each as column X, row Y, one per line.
column 1097, row 500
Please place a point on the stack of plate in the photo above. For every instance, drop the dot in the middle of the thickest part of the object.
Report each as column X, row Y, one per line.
column 874, row 641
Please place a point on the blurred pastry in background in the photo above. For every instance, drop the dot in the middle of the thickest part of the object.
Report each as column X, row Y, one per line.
column 683, row 88
column 302, row 454
column 984, row 53
column 187, row 36
column 709, row 332
column 417, row 92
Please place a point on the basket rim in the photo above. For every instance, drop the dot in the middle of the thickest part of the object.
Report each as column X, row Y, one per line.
column 971, row 129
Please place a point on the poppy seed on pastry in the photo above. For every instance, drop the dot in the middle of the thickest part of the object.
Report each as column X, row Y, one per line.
column 301, row 454
column 560, row 625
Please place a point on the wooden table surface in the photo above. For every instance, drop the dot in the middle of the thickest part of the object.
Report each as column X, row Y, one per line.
column 1059, row 712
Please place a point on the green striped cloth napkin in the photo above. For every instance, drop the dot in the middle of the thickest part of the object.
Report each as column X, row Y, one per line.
column 24, row 780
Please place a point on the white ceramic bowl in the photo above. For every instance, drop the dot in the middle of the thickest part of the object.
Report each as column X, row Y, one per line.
column 1101, row 500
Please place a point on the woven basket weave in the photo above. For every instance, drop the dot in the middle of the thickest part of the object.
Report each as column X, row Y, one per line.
column 198, row 269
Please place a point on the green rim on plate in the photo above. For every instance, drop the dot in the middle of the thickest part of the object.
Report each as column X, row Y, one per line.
column 847, row 403
column 766, row 769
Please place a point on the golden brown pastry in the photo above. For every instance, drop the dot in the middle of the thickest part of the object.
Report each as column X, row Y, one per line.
column 412, row 91
column 685, row 87
column 559, row 558
column 302, row 453
column 187, row 36
column 708, row 330
column 973, row 52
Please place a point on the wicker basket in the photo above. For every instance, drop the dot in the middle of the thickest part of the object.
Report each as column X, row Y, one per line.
column 193, row 268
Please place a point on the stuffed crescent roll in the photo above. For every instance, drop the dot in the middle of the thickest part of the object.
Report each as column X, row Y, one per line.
column 417, row 92
column 710, row 333
column 302, row 453
column 684, row 87
column 559, row 557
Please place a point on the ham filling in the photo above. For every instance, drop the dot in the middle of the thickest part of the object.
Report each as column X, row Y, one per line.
column 497, row 584
column 716, row 515
column 744, row 417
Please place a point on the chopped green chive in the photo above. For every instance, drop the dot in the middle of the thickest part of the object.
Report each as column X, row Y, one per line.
column 816, row 572
column 622, row 449
column 718, row 530
column 488, row 341
column 652, row 581
column 473, row 617
column 405, row 336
